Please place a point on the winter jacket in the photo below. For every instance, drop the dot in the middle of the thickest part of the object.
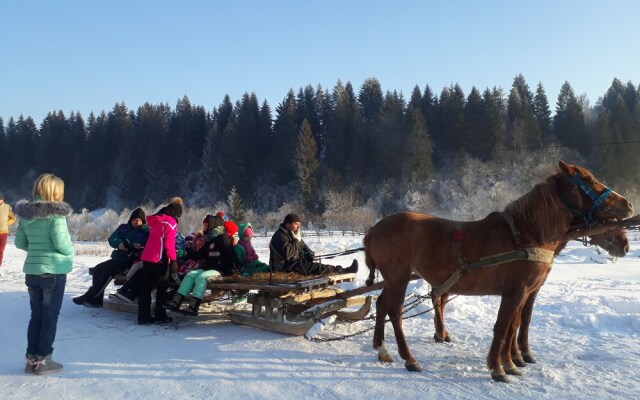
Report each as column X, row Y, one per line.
column 285, row 250
column 6, row 217
column 246, row 253
column 42, row 232
column 161, row 244
column 218, row 254
column 126, row 234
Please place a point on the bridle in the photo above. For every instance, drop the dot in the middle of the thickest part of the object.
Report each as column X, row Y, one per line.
column 597, row 201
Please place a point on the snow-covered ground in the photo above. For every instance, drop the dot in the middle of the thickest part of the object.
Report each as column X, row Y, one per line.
column 585, row 335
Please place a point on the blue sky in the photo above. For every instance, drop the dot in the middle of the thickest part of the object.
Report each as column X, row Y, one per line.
column 81, row 55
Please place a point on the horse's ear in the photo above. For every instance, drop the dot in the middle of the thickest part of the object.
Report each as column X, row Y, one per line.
column 564, row 167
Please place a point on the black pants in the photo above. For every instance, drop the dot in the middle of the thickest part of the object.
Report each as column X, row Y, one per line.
column 312, row 268
column 153, row 275
column 102, row 275
column 132, row 286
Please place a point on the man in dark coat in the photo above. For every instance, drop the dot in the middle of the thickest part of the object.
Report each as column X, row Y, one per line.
column 289, row 253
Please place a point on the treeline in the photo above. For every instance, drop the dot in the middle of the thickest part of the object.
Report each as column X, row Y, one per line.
column 373, row 145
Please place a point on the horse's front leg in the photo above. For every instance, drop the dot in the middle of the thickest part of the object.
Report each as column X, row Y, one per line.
column 439, row 302
column 510, row 351
column 378, row 333
column 523, row 334
column 509, row 305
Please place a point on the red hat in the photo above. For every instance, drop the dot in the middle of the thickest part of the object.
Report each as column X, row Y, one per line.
column 220, row 214
column 230, row 228
column 248, row 231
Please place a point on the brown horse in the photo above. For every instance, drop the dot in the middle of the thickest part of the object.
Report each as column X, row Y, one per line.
column 615, row 242
column 437, row 248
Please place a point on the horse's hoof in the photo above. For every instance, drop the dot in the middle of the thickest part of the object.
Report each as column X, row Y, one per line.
column 385, row 358
column 528, row 358
column 513, row 371
column 519, row 362
column 413, row 366
column 447, row 338
column 500, row 378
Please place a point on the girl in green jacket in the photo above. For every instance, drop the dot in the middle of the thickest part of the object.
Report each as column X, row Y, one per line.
column 42, row 232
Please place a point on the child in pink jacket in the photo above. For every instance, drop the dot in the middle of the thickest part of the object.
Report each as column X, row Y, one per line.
column 159, row 257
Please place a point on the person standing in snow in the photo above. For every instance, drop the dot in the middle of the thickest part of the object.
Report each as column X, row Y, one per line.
column 6, row 219
column 159, row 259
column 289, row 253
column 42, row 232
column 127, row 241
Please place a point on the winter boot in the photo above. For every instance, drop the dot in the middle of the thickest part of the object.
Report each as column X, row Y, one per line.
column 353, row 269
column 80, row 299
column 161, row 316
column 45, row 365
column 175, row 302
column 194, row 305
column 30, row 366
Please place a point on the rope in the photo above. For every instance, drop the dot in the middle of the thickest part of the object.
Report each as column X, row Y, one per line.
column 341, row 253
column 409, row 305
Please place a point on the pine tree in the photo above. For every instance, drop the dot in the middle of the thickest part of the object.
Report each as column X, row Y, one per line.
column 569, row 121
column 420, row 148
column 306, row 163
column 475, row 137
column 451, row 121
column 542, row 114
column 393, row 136
column 366, row 140
column 340, row 137
column 234, row 201
column 522, row 128
column 285, row 134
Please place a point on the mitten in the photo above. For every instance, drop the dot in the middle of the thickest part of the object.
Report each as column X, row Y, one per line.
column 308, row 255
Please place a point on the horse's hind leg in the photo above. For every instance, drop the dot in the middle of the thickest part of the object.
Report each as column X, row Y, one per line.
column 439, row 302
column 395, row 303
column 378, row 333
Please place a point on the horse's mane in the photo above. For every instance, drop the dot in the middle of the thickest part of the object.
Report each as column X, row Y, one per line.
column 541, row 211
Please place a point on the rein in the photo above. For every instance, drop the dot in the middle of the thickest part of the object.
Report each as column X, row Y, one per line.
column 596, row 200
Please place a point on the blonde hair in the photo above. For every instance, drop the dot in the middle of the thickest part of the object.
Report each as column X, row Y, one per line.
column 49, row 188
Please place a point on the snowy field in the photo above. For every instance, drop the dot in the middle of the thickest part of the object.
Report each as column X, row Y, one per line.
column 585, row 335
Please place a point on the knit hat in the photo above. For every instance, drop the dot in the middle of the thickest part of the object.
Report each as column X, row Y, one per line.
column 138, row 213
column 174, row 208
column 292, row 218
column 230, row 228
column 245, row 230
column 248, row 232
column 221, row 215
column 209, row 220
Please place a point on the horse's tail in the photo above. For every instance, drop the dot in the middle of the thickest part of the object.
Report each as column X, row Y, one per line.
column 368, row 259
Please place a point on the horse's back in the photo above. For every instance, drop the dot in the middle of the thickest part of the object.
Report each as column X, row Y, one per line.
column 401, row 238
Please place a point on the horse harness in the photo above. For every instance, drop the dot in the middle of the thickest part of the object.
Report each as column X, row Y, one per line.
column 521, row 253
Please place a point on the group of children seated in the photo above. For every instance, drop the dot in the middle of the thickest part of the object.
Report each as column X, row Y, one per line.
column 221, row 248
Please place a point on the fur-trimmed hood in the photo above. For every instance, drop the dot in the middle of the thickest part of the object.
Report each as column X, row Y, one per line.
column 42, row 209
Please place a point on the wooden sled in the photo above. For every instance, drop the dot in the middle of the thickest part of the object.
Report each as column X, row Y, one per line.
column 292, row 309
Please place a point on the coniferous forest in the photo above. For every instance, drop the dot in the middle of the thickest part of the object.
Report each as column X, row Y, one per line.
column 325, row 150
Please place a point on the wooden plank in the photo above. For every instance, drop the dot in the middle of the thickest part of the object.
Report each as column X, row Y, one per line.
column 314, row 295
column 358, row 314
column 285, row 327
